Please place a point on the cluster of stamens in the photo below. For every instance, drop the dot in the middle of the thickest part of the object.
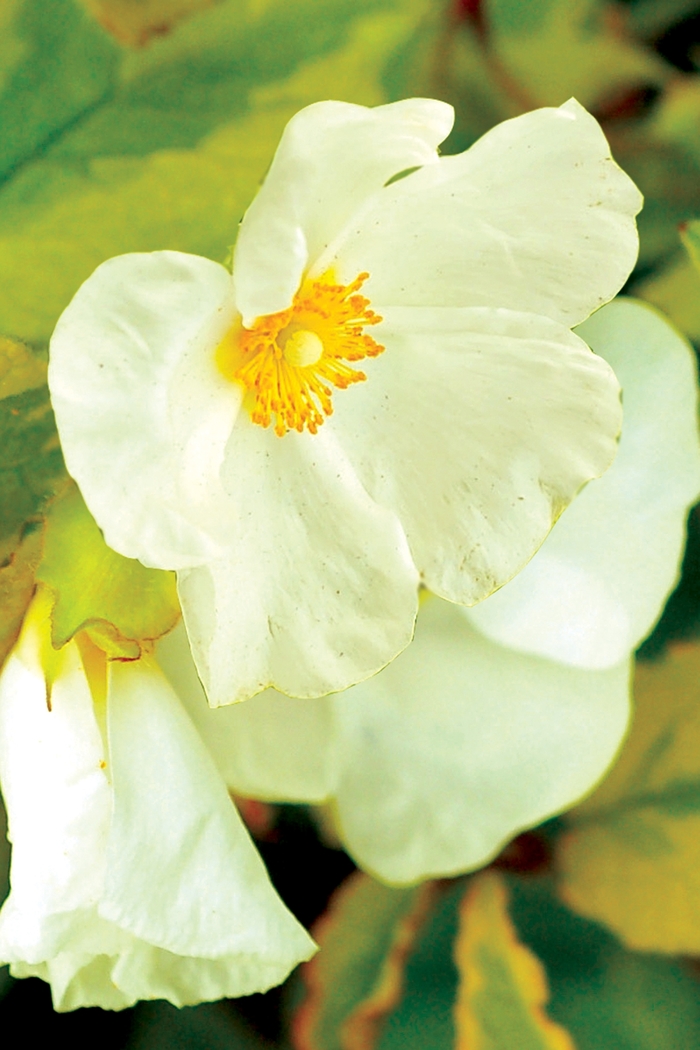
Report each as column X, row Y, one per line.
column 290, row 361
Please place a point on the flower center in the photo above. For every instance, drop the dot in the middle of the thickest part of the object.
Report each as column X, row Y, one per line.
column 303, row 348
column 290, row 361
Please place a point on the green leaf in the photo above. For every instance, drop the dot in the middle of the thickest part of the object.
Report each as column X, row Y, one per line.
column 357, row 977
column 661, row 153
column 466, row 77
column 559, row 48
column 124, row 606
column 32, row 464
column 649, row 18
column 173, row 152
column 55, row 67
column 31, row 472
column 605, row 996
column 525, row 17
column 631, row 857
column 503, row 988
column 424, row 1016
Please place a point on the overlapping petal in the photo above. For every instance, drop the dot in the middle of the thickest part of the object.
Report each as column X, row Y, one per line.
column 287, row 605
column 273, row 747
column 132, row 875
column 163, row 777
column 536, row 216
column 596, row 587
column 58, row 802
column 331, row 158
column 531, row 416
column 144, row 413
column 461, row 743
column 442, row 757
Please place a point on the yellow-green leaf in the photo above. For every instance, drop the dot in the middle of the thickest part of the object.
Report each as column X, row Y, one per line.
column 20, row 369
column 176, row 149
column 135, row 22
column 503, row 988
column 675, row 289
column 676, row 120
column 631, row 858
column 123, row 605
column 357, row 977
column 690, row 235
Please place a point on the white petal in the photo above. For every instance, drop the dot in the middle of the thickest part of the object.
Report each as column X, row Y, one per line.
column 535, row 216
column 78, row 980
column 142, row 411
column 137, row 971
column 58, row 802
column 331, row 157
column 271, row 747
column 186, row 981
column 148, row 888
column 597, row 586
column 478, row 427
column 182, row 873
column 318, row 590
column 460, row 744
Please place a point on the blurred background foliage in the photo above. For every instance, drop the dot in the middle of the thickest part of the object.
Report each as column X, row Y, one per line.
column 134, row 125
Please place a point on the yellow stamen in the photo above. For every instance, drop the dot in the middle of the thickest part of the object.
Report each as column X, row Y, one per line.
column 289, row 361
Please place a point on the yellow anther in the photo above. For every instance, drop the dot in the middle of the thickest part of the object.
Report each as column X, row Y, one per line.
column 290, row 361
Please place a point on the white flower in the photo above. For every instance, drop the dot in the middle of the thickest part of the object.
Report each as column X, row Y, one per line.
column 430, row 312
column 497, row 717
column 132, row 875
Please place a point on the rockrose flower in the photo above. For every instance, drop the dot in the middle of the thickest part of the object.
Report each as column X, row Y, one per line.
column 132, row 875
column 385, row 392
column 497, row 717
